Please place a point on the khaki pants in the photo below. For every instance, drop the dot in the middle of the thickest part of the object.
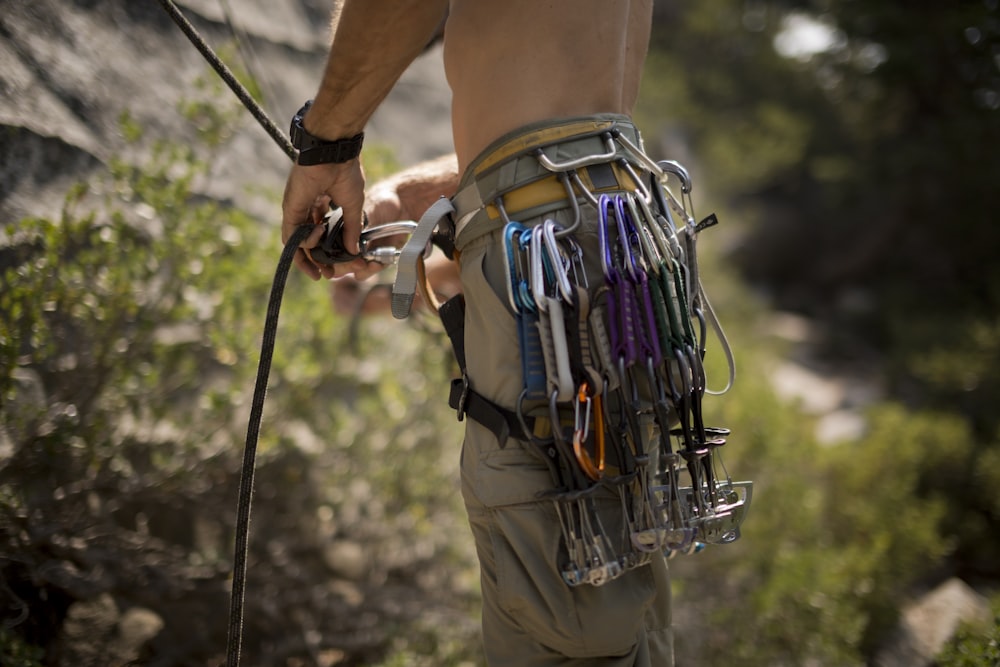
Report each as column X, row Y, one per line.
column 531, row 617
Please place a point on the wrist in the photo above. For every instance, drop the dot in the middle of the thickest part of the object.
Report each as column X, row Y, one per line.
column 318, row 149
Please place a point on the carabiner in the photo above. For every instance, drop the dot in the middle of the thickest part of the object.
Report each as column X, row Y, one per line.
column 644, row 229
column 581, row 422
column 536, row 262
column 675, row 168
column 331, row 249
column 585, row 161
column 574, row 204
column 607, row 262
column 557, row 260
column 511, row 232
column 581, row 431
column 625, row 237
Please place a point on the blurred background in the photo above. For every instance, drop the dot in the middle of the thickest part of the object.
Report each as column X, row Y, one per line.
column 850, row 150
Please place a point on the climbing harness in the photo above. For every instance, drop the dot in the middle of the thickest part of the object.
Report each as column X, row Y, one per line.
column 613, row 374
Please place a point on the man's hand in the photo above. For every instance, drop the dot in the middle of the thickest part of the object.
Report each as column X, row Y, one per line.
column 312, row 190
column 403, row 196
column 309, row 193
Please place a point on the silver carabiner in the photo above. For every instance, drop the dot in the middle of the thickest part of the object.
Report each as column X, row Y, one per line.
column 675, row 168
column 385, row 254
column 330, row 249
column 537, row 268
column 556, row 258
column 586, row 161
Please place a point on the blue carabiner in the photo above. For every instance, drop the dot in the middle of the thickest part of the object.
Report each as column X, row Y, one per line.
column 520, row 298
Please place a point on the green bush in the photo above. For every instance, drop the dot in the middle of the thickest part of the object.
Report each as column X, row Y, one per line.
column 974, row 646
column 129, row 337
column 14, row 652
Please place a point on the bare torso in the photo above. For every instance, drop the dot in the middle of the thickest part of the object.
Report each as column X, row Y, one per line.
column 513, row 62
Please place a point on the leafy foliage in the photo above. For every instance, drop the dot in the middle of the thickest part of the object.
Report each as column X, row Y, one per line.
column 974, row 647
column 863, row 171
column 16, row 653
column 856, row 186
column 128, row 338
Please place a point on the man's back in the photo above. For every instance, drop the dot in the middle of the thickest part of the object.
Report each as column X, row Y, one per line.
column 514, row 62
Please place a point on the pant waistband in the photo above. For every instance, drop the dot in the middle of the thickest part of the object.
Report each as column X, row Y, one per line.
column 527, row 171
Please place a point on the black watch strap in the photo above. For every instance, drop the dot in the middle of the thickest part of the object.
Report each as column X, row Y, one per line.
column 314, row 150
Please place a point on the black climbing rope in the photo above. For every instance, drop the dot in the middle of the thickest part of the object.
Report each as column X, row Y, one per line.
column 250, row 450
column 226, row 74
column 238, row 595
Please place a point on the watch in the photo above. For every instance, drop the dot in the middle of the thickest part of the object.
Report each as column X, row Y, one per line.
column 314, row 150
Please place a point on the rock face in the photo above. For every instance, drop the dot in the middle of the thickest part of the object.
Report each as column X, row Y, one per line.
column 69, row 70
column 97, row 633
column 928, row 623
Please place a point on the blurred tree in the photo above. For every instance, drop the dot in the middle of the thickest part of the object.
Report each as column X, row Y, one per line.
column 866, row 167
column 857, row 142
column 852, row 147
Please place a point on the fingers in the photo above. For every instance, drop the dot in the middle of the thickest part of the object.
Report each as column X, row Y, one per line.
column 306, row 265
column 348, row 192
column 310, row 191
column 382, row 205
column 368, row 270
column 342, row 269
column 358, row 268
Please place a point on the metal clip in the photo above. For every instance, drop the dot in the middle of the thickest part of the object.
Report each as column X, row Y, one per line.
column 558, row 261
column 583, row 407
column 585, row 161
column 331, row 250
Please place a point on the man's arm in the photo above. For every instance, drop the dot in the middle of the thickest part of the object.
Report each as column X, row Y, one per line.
column 403, row 196
column 374, row 41
column 414, row 190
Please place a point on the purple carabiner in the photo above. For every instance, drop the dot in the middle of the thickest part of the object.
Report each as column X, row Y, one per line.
column 638, row 318
column 628, row 237
column 647, row 328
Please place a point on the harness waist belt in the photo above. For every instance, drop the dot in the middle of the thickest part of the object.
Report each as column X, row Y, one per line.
column 511, row 171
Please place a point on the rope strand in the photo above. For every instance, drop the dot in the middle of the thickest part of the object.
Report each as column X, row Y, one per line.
column 248, row 54
column 234, row 641
column 226, row 74
column 250, row 451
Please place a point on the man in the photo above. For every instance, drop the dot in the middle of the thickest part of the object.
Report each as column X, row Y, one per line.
column 520, row 71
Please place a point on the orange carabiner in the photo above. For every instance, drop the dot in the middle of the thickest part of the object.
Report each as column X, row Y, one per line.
column 593, row 470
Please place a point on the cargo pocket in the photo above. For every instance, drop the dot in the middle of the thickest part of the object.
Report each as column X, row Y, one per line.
column 579, row 622
column 491, row 347
column 502, row 488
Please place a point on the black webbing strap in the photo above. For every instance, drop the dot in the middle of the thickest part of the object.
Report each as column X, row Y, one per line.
column 503, row 423
column 452, row 314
